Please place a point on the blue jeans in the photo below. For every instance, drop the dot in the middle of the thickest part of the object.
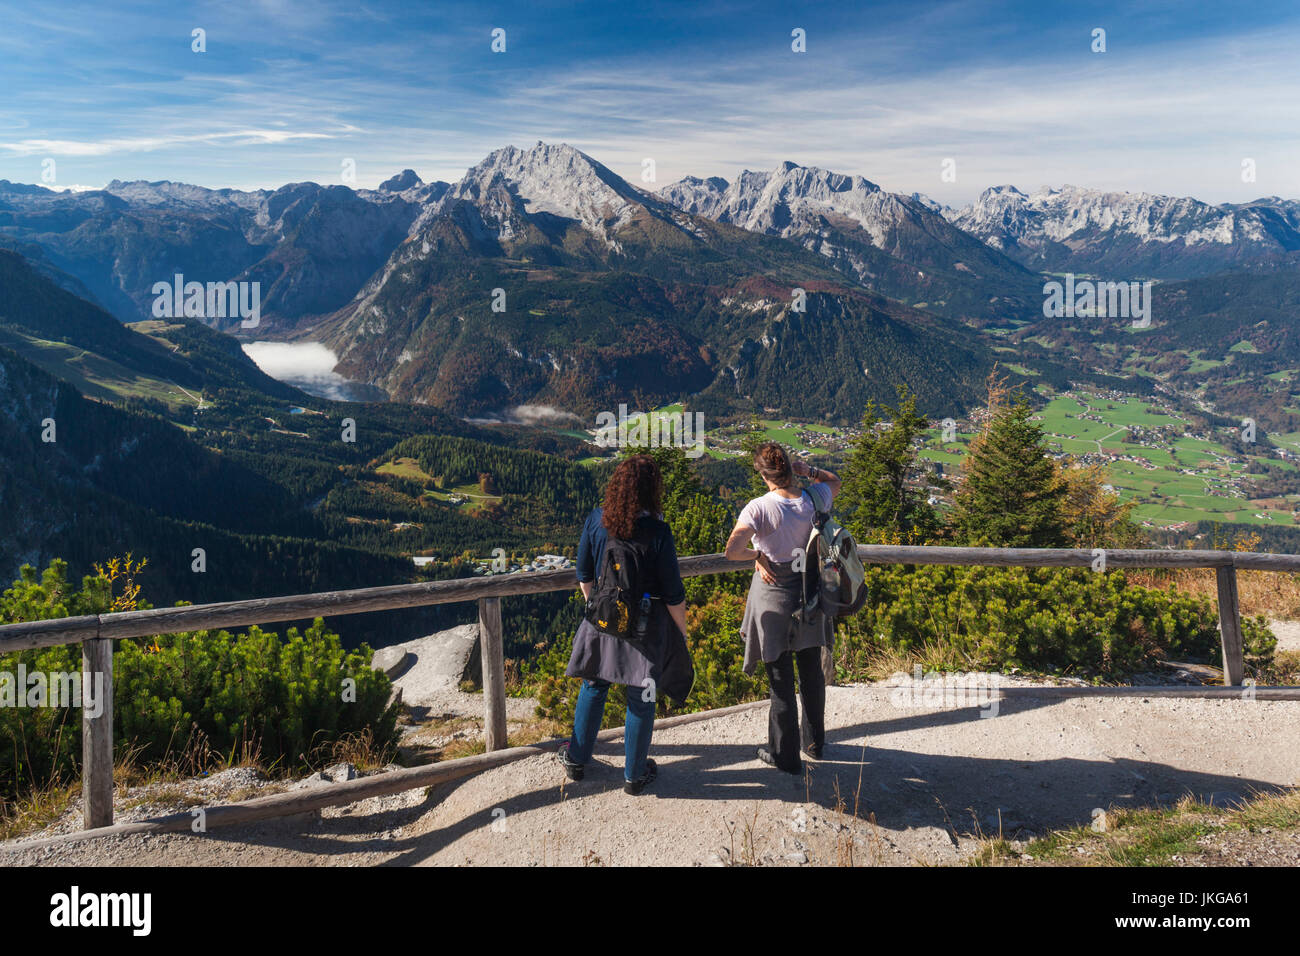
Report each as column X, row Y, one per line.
column 589, row 713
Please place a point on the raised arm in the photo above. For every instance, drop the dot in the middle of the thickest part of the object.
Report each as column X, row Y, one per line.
column 823, row 475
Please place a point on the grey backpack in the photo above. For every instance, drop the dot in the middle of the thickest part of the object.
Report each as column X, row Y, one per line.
column 834, row 579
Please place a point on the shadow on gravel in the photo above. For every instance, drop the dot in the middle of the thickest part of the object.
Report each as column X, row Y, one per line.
column 963, row 795
column 340, row 836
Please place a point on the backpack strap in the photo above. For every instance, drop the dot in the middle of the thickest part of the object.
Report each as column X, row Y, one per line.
column 819, row 516
column 819, row 519
column 656, row 548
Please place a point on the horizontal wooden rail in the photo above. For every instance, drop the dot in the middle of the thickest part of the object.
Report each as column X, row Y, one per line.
column 226, row 614
column 51, row 633
column 202, row 617
column 1050, row 557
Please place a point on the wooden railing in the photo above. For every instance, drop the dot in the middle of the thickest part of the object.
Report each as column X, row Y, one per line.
column 97, row 632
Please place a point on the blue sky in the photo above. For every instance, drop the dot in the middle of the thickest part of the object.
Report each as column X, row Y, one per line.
column 1012, row 92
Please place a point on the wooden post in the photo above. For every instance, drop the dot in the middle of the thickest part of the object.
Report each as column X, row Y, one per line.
column 1234, row 669
column 97, row 732
column 494, row 672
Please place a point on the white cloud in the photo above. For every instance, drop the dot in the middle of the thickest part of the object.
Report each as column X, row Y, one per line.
column 305, row 365
column 528, row 415
column 1175, row 121
column 144, row 144
column 539, row 415
column 889, row 102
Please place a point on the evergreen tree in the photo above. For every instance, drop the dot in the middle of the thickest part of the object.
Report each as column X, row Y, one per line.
column 699, row 519
column 1013, row 492
column 680, row 483
column 756, row 436
column 876, row 496
column 1094, row 516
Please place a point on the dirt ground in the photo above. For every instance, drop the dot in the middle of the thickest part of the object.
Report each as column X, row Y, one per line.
column 1287, row 634
column 900, row 785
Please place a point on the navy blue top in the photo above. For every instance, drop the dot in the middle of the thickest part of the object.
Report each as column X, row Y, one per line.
column 591, row 550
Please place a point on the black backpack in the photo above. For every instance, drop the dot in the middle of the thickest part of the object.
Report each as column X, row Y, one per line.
column 621, row 604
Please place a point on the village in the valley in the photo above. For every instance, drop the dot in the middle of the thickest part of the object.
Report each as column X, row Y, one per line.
column 1147, row 448
column 1178, row 477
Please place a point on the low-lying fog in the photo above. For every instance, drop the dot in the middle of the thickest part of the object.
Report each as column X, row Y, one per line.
column 310, row 367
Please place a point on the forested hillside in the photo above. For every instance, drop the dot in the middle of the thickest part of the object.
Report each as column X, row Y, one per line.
column 550, row 482
column 194, row 449
column 79, row 342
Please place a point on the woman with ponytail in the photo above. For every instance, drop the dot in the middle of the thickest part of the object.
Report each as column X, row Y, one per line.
column 779, row 523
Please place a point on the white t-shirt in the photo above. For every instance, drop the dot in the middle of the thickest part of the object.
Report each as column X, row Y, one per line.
column 782, row 524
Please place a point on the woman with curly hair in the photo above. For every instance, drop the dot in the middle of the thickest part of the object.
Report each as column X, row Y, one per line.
column 779, row 523
column 658, row 662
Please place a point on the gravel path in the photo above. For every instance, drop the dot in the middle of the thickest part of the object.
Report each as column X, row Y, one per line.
column 1287, row 634
column 930, row 780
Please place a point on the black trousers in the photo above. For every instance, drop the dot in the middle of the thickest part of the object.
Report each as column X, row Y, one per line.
column 785, row 731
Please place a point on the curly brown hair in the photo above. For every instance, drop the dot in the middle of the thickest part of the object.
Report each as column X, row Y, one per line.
column 636, row 485
column 773, row 464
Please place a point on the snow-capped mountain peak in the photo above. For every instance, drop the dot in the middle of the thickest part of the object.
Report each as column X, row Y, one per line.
column 406, row 179
column 933, row 205
column 789, row 200
column 697, row 196
column 167, row 194
column 559, row 180
column 1167, row 236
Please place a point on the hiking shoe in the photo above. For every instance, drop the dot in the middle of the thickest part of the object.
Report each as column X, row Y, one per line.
column 766, row 756
column 572, row 770
column 634, row 787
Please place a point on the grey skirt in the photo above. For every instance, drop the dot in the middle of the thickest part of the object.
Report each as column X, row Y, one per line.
column 769, row 626
column 668, row 669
